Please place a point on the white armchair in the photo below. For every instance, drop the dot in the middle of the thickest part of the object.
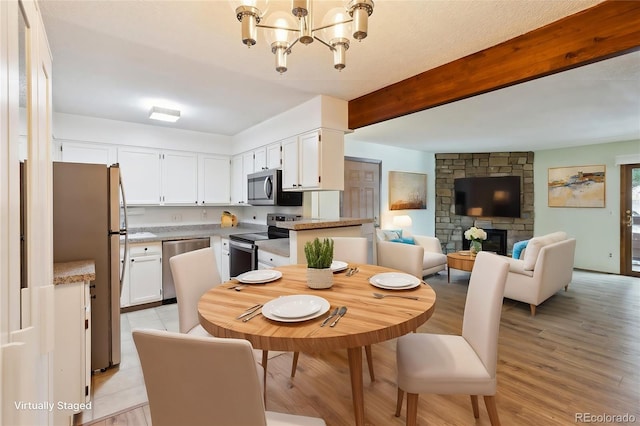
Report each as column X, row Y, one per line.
column 423, row 258
column 545, row 268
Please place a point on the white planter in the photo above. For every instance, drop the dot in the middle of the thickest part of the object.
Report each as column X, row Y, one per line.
column 319, row 278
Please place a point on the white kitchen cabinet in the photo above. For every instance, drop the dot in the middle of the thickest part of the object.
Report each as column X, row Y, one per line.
column 214, row 185
column 141, row 174
column 314, row 161
column 179, row 177
column 224, row 263
column 238, row 193
column 268, row 260
column 144, row 273
column 260, row 159
column 274, row 156
column 72, row 363
column 85, row 152
column 241, row 166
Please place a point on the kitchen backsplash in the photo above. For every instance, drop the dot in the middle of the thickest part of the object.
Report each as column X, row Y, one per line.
column 139, row 216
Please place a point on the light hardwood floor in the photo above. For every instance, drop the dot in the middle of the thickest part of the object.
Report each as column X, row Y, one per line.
column 579, row 354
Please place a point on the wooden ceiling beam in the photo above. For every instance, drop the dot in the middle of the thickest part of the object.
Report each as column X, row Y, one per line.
column 609, row 29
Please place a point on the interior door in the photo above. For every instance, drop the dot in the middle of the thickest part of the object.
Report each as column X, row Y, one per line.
column 630, row 221
column 361, row 195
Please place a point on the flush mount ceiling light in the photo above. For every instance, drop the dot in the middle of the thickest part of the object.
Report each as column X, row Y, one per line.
column 164, row 114
column 282, row 34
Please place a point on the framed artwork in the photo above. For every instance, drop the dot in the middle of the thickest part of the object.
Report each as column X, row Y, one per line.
column 577, row 186
column 407, row 191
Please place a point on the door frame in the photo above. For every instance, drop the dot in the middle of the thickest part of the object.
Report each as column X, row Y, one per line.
column 626, row 236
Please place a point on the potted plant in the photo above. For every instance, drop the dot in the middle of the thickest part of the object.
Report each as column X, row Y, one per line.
column 319, row 256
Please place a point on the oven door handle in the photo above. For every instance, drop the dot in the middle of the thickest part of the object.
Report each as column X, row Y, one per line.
column 241, row 245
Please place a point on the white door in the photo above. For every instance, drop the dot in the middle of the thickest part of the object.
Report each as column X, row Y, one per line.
column 214, row 183
column 92, row 153
column 290, row 163
column 179, row 178
column 274, row 157
column 237, row 181
column 309, row 158
column 140, row 169
column 145, row 279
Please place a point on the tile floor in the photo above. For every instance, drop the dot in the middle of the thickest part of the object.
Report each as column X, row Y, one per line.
column 122, row 387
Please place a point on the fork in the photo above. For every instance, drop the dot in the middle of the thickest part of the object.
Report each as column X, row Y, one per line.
column 382, row 296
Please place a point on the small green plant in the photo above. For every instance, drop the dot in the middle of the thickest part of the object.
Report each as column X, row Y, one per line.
column 319, row 254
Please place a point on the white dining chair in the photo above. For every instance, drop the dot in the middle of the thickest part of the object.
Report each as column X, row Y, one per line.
column 195, row 380
column 194, row 273
column 451, row 364
column 350, row 249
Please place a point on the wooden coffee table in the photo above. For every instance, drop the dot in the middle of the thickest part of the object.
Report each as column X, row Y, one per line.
column 459, row 260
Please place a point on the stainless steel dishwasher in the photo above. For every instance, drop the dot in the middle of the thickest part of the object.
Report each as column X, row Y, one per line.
column 170, row 249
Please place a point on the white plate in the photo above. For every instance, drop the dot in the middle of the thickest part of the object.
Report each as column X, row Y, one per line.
column 259, row 276
column 337, row 266
column 394, row 281
column 296, row 306
column 271, row 307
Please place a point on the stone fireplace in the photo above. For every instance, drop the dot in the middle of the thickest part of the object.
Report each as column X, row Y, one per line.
column 450, row 227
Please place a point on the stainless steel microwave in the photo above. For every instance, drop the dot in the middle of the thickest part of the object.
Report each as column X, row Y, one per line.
column 265, row 189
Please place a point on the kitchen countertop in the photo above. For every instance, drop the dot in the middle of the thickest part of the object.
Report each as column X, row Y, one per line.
column 73, row 272
column 306, row 224
column 165, row 233
column 279, row 246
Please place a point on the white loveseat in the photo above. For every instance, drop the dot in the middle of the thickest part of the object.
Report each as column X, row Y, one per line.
column 423, row 258
column 545, row 266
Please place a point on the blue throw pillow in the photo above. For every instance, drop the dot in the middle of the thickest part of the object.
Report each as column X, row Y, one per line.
column 407, row 240
column 518, row 247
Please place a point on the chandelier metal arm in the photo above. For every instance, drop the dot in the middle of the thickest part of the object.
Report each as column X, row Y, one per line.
column 295, row 30
column 324, row 42
column 331, row 25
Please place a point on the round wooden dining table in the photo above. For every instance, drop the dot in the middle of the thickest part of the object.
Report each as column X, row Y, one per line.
column 368, row 320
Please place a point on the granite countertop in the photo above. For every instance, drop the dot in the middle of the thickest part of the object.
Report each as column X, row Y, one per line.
column 73, row 272
column 306, row 224
column 279, row 246
column 165, row 233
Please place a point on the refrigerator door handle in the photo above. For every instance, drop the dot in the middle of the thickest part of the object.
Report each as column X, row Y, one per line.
column 123, row 231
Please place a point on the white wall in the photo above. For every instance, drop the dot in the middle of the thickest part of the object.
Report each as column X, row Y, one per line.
column 321, row 111
column 596, row 230
column 405, row 160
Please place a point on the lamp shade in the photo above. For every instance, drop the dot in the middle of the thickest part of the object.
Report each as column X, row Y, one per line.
column 402, row 221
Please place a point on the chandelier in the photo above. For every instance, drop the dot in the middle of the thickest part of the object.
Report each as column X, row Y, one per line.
column 283, row 32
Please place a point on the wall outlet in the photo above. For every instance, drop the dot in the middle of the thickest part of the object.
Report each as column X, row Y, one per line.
column 203, row 215
column 176, row 217
column 610, row 254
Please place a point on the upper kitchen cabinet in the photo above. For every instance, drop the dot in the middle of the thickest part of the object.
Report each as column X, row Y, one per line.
column 179, row 177
column 267, row 157
column 152, row 177
column 214, row 180
column 141, row 175
column 241, row 166
column 84, row 152
column 314, row 161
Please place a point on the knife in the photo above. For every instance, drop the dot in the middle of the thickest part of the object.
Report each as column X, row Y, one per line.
column 331, row 315
column 254, row 314
column 343, row 310
column 249, row 311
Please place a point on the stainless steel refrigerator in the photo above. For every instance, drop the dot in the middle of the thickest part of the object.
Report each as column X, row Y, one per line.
column 87, row 224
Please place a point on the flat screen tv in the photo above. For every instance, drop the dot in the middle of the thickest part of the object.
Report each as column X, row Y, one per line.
column 487, row 196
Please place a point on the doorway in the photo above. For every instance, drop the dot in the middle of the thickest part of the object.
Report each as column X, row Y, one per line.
column 630, row 223
column 361, row 195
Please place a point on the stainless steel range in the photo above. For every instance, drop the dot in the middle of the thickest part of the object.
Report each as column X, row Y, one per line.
column 243, row 250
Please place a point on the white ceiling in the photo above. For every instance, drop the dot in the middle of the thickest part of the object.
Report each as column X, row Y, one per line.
column 115, row 59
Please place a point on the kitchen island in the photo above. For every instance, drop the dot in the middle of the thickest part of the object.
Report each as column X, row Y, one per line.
column 301, row 231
